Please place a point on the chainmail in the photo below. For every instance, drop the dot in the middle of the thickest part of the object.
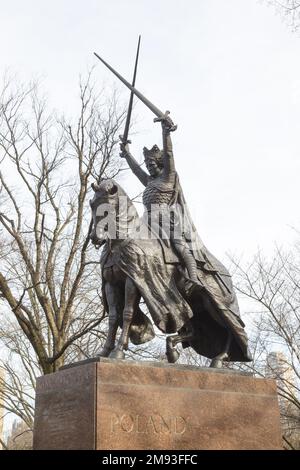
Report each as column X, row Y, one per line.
column 158, row 192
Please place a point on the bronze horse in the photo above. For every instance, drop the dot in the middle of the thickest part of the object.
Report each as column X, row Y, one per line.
column 135, row 266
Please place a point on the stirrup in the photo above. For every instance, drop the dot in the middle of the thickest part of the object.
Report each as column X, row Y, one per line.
column 190, row 286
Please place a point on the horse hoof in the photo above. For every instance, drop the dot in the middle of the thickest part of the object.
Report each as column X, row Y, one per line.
column 191, row 287
column 117, row 354
column 216, row 363
column 172, row 355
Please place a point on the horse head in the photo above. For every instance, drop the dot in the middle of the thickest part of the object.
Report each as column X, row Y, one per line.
column 114, row 215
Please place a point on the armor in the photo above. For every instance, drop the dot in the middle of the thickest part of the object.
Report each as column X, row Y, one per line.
column 158, row 191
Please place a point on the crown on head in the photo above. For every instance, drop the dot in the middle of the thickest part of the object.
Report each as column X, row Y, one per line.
column 154, row 152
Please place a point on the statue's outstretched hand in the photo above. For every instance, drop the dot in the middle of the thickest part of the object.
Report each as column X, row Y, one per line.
column 166, row 123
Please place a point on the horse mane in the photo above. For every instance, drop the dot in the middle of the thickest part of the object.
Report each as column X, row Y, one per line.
column 115, row 195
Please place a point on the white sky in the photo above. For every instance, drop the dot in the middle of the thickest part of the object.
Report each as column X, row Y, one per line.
column 229, row 71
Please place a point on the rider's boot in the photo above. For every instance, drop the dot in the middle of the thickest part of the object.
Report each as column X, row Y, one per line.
column 192, row 282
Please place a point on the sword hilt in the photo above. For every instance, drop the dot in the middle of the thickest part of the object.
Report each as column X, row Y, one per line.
column 124, row 141
column 165, row 117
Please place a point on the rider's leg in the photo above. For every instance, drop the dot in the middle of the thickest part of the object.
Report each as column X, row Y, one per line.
column 187, row 257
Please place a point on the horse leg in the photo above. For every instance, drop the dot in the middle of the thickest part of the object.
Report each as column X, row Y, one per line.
column 171, row 352
column 111, row 297
column 132, row 298
column 217, row 362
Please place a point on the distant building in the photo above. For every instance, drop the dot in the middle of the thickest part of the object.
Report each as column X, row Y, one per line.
column 279, row 368
column 20, row 437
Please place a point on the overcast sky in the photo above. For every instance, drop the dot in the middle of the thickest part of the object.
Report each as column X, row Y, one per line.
column 229, row 72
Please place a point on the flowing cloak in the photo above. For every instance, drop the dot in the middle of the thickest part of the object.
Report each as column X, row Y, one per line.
column 155, row 270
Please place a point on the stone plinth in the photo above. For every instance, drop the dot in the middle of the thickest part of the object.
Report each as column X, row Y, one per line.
column 108, row 404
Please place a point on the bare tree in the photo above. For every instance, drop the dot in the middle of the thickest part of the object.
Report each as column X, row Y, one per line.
column 50, row 283
column 273, row 287
column 20, row 437
column 290, row 11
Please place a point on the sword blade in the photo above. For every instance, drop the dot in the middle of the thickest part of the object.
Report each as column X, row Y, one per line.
column 137, row 93
column 127, row 124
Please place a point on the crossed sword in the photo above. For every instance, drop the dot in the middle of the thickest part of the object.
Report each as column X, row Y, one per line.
column 160, row 116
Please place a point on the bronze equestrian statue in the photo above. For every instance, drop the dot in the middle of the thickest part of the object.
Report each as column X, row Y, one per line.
column 188, row 292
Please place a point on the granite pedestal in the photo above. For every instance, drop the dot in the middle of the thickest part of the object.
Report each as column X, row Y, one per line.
column 108, row 404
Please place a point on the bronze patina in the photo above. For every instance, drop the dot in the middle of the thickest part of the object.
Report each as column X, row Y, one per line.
column 161, row 259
